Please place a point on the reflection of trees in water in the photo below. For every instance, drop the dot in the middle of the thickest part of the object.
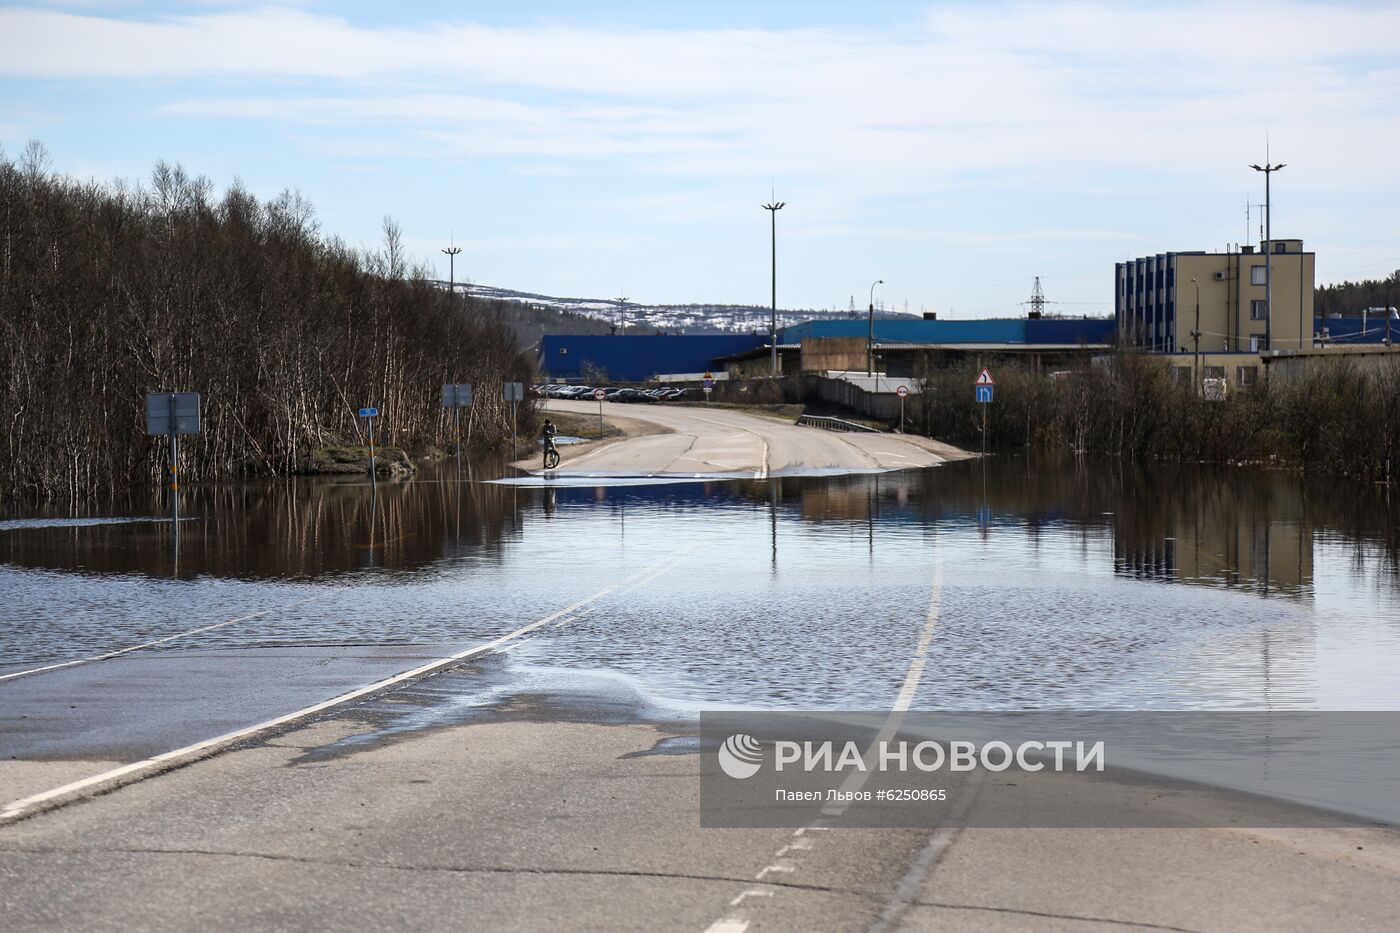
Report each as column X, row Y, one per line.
column 1230, row 526
column 291, row 529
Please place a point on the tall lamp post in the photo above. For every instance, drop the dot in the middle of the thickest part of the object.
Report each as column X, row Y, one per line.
column 451, row 253
column 772, row 208
column 870, row 341
column 1268, row 171
column 1196, row 338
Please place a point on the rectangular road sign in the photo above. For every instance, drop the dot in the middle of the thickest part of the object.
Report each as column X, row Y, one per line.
column 172, row 413
column 369, row 412
column 984, row 394
column 514, row 392
column 456, row 395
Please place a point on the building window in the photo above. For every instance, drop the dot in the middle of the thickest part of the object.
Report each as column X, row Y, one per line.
column 1258, row 343
column 1213, row 372
column 1246, row 376
column 1181, row 375
column 563, row 350
column 1256, row 275
column 1258, row 309
column 1279, row 247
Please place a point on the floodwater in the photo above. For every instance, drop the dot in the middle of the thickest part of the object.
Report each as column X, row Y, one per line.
column 1059, row 584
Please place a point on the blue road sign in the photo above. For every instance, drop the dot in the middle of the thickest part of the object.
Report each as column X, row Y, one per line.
column 369, row 412
column 984, row 394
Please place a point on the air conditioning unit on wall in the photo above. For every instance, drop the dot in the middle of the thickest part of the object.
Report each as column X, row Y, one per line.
column 1220, row 276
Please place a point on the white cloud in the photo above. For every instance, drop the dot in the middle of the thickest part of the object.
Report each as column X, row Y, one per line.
column 1074, row 87
column 1006, row 97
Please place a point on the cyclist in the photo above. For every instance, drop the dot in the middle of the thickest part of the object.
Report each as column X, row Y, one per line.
column 551, row 453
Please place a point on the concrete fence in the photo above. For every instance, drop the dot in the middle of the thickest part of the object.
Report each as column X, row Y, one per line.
column 872, row 396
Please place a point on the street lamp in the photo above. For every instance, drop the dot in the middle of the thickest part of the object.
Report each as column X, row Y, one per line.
column 870, row 342
column 1196, row 337
column 772, row 208
column 451, row 253
column 1268, row 171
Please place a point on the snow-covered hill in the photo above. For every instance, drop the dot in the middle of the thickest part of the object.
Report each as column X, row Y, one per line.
column 675, row 319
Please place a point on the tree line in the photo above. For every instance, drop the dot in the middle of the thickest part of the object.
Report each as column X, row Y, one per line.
column 1335, row 419
column 1351, row 298
column 112, row 290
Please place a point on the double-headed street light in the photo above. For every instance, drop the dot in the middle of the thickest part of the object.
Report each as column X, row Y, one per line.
column 870, row 341
column 452, row 252
column 1268, row 171
column 772, row 208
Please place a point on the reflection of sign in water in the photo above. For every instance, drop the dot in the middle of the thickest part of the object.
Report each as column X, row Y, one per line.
column 984, row 516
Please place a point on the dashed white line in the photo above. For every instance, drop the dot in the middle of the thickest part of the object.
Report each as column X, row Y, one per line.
column 736, row 920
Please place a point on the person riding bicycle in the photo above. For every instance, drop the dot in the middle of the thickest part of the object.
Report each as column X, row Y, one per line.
column 548, row 435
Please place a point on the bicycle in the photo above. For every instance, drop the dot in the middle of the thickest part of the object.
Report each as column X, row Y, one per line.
column 551, row 454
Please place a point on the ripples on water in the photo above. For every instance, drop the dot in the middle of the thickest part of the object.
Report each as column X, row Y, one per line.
column 1063, row 585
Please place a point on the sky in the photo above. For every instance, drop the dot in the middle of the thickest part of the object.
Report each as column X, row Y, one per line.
column 579, row 149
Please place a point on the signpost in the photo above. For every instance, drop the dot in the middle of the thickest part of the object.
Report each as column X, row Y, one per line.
column 985, row 386
column 514, row 393
column 371, row 414
column 173, row 414
column 456, row 396
column 903, row 393
column 599, row 394
column 708, row 384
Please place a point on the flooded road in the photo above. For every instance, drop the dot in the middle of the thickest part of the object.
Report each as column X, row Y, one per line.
column 1063, row 585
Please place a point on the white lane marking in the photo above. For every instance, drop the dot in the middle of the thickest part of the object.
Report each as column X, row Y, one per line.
column 727, row 926
column 736, row 920
column 159, row 641
column 25, row 805
column 751, row 892
column 763, row 470
column 782, row 866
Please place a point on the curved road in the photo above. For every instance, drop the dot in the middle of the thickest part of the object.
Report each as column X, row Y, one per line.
column 714, row 440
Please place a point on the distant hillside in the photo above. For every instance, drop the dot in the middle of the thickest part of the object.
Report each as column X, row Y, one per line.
column 652, row 318
column 531, row 322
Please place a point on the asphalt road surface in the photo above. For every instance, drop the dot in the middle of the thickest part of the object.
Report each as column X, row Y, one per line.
column 722, row 441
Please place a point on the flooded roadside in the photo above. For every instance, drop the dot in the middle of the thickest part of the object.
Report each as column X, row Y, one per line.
column 1064, row 584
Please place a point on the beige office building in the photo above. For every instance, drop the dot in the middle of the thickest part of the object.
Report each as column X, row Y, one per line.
column 1156, row 300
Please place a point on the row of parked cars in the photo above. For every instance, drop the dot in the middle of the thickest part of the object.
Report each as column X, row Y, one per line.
column 644, row 396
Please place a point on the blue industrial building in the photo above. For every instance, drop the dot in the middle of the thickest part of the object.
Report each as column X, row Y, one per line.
column 1345, row 331
column 635, row 357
